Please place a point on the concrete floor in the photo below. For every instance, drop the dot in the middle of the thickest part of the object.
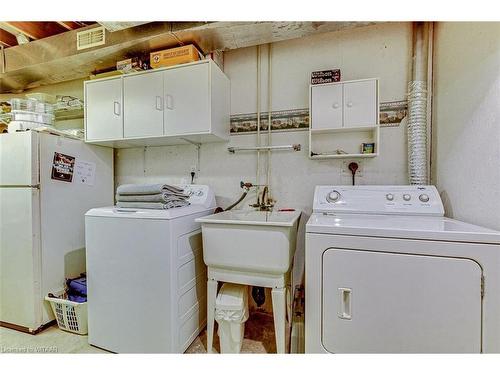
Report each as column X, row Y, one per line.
column 259, row 338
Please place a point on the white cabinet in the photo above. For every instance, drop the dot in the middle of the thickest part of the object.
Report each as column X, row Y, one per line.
column 344, row 116
column 187, row 100
column 143, row 105
column 326, row 106
column 360, row 103
column 104, row 109
column 176, row 105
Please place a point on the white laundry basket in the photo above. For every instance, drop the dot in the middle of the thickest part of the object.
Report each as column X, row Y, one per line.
column 71, row 316
column 231, row 313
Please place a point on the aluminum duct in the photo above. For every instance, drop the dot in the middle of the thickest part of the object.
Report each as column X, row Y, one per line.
column 417, row 109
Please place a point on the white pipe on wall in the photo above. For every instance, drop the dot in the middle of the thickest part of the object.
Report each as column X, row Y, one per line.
column 257, row 177
column 269, row 109
column 417, row 108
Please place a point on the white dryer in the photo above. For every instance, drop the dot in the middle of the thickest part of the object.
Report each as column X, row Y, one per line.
column 146, row 277
column 386, row 272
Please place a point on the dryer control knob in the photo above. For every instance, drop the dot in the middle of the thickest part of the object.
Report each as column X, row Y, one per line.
column 390, row 197
column 333, row 196
column 406, row 197
column 423, row 198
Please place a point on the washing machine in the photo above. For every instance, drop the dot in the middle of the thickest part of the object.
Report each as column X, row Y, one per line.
column 146, row 277
column 386, row 272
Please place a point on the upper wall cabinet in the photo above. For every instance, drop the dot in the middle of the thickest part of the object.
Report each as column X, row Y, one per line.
column 104, row 110
column 175, row 105
column 143, row 105
column 344, row 116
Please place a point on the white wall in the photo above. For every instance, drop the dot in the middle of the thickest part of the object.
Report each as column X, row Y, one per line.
column 377, row 51
column 466, row 125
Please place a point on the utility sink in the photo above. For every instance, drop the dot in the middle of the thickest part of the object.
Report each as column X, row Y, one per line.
column 251, row 241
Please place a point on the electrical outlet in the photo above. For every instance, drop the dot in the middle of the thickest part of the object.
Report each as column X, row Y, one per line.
column 345, row 171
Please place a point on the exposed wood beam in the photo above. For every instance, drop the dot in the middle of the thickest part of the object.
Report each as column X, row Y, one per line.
column 7, row 39
column 37, row 30
column 71, row 25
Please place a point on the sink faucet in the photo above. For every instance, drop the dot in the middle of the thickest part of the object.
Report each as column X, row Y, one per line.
column 263, row 201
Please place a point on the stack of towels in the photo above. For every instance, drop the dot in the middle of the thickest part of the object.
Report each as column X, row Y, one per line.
column 155, row 196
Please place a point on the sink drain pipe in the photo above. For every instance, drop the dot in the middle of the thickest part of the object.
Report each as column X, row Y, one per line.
column 417, row 108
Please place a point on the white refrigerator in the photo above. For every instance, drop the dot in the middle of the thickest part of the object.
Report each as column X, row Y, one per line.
column 47, row 183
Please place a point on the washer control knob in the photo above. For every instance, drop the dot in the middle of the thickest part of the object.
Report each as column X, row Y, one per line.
column 406, row 197
column 390, row 197
column 423, row 198
column 333, row 196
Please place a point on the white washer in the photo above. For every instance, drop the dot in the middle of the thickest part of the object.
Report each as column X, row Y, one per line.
column 386, row 272
column 146, row 276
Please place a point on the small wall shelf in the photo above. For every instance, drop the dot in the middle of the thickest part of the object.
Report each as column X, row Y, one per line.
column 344, row 115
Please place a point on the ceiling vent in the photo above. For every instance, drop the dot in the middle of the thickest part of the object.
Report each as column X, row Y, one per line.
column 90, row 38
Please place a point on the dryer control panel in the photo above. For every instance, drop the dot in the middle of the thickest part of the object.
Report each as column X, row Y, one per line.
column 366, row 199
column 200, row 194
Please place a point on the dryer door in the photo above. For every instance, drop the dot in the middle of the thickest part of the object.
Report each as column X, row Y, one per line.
column 375, row 302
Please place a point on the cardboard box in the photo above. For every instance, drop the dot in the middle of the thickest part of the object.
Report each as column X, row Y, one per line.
column 174, row 56
column 133, row 64
column 325, row 76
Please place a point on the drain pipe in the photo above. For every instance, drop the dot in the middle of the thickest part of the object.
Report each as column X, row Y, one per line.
column 257, row 177
column 417, row 108
column 269, row 120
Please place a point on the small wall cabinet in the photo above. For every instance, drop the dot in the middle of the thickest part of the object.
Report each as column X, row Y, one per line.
column 175, row 105
column 343, row 115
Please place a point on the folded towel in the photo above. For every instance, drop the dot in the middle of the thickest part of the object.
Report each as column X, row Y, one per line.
column 148, row 189
column 162, row 197
column 153, row 205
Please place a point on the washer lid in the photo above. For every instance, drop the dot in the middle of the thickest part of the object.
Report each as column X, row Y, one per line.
column 400, row 226
column 132, row 213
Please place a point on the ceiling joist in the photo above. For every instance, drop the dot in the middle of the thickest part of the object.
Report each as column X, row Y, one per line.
column 37, row 30
column 7, row 39
column 71, row 25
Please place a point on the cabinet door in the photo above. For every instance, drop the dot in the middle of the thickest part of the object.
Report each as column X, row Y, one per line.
column 326, row 106
column 143, row 105
column 104, row 110
column 360, row 103
column 187, row 96
column 377, row 302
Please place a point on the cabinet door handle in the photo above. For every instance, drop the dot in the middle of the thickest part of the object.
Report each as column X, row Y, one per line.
column 116, row 108
column 345, row 311
column 159, row 103
column 349, row 104
column 335, row 105
column 170, row 102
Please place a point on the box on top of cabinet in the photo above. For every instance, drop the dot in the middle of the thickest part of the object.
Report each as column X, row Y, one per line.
column 174, row 56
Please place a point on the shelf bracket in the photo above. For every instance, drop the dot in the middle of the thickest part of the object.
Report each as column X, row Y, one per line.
column 198, row 149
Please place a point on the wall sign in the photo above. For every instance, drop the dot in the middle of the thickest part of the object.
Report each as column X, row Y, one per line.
column 62, row 167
